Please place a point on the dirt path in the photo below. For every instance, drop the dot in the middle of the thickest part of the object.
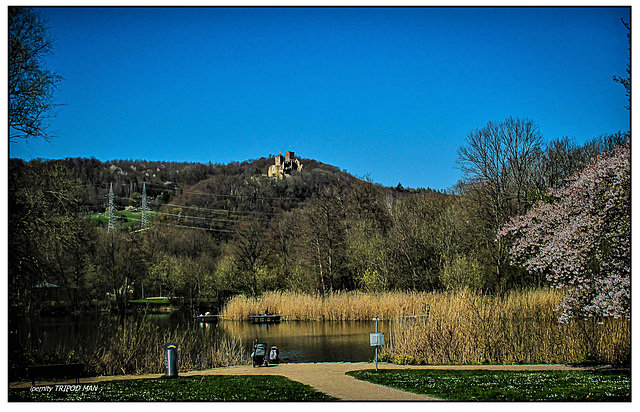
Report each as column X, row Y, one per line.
column 329, row 378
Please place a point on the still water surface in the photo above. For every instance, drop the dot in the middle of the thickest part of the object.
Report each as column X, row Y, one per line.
column 298, row 341
column 310, row 341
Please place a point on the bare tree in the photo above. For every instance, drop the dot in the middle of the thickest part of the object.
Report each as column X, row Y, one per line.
column 626, row 82
column 31, row 84
column 499, row 162
column 251, row 251
column 502, row 157
column 322, row 239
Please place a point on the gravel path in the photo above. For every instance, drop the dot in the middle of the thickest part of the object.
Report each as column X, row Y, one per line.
column 329, row 378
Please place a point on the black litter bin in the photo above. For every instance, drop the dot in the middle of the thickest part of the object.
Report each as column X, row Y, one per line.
column 259, row 356
column 171, row 359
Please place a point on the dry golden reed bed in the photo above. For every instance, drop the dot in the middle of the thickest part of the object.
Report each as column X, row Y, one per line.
column 334, row 306
column 460, row 327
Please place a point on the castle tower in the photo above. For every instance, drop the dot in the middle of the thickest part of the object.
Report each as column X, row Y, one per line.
column 289, row 156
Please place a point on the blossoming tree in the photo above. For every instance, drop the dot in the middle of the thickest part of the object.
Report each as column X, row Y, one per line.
column 579, row 237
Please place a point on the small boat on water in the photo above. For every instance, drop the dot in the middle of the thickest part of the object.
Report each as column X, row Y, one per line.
column 208, row 317
column 265, row 318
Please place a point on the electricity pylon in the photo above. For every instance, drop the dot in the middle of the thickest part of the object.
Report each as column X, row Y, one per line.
column 145, row 207
column 111, row 210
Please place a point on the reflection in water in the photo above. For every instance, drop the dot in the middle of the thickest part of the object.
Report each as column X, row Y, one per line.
column 310, row 341
column 298, row 341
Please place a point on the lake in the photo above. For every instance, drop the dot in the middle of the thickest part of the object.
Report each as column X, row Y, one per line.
column 297, row 341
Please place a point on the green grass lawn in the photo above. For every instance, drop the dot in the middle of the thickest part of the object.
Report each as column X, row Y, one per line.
column 133, row 219
column 151, row 301
column 193, row 388
column 479, row 385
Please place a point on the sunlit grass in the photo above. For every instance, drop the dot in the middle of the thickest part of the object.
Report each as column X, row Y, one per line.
column 162, row 301
column 483, row 385
column 129, row 219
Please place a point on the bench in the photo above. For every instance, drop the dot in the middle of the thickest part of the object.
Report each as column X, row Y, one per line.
column 67, row 370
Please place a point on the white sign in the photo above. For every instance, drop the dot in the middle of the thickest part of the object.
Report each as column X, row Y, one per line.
column 376, row 339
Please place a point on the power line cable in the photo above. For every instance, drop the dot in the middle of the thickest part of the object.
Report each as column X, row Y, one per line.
column 195, row 227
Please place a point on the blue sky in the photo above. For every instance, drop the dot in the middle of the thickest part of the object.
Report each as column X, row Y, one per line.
column 388, row 91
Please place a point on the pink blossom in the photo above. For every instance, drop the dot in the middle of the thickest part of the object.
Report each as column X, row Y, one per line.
column 581, row 241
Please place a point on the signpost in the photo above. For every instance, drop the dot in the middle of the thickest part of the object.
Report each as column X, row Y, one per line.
column 376, row 339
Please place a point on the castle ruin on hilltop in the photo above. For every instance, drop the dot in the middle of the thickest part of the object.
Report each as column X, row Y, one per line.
column 284, row 165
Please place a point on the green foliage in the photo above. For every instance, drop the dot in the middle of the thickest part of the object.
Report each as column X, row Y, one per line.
column 186, row 389
column 462, row 272
column 495, row 385
column 372, row 281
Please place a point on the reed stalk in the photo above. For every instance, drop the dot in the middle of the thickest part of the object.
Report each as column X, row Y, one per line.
column 521, row 327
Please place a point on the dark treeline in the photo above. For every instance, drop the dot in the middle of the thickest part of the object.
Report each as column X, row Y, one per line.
column 219, row 230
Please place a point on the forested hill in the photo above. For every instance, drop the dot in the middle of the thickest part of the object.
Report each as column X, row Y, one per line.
column 162, row 179
column 214, row 230
column 192, row 191
column 126, row 176
column 238, row 190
